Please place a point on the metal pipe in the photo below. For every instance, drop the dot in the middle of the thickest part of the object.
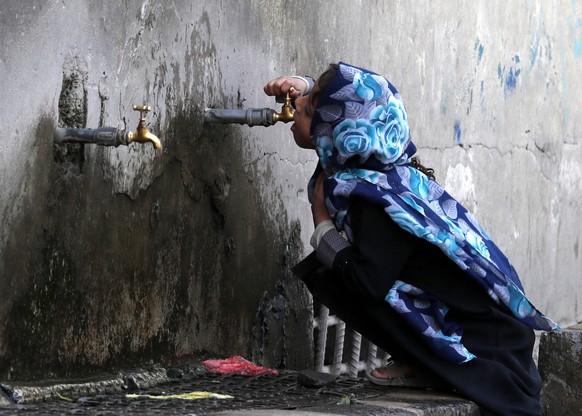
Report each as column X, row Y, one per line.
column 251, row 117
column 104, row 136
column 110, row 136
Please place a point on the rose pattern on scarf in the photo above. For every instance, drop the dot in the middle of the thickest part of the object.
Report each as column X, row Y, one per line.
column 391, row 125
column 355, row 138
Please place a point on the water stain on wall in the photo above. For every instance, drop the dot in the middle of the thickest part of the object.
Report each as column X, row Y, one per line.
column 105, row 276
column 72, row 114
column 114, row 281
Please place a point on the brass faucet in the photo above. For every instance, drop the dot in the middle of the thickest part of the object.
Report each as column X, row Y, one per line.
column 143, row 134
column 286, row 114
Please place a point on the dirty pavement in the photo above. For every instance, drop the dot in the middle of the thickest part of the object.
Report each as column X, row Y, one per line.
column 189, row 389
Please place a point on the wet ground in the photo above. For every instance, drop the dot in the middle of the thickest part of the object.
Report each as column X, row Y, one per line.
column 265, row 395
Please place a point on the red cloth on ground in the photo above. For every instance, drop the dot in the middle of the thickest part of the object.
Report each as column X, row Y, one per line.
column 236, row 365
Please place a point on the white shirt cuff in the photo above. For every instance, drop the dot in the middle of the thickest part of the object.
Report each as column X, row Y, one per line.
column 319, row 231
column 307, row 89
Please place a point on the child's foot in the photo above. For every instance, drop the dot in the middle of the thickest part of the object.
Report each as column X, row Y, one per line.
column 393, row 370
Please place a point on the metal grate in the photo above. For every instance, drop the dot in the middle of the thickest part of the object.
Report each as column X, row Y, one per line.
column 348, row 348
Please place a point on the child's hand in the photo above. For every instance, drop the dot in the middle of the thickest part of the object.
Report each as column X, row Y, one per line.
column 282, row 85
column 318, row 209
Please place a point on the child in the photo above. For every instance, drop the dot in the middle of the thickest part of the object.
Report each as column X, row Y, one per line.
column 417, row 275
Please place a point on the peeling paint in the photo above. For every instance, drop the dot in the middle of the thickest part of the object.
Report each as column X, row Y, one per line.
column 459, row 181
column 570, row 176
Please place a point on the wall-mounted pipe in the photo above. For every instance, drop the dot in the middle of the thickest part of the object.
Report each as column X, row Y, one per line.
column 252, row 116
column 110, row 136
column 105, row 136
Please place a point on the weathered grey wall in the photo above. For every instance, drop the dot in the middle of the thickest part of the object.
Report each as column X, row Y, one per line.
column 112, row 256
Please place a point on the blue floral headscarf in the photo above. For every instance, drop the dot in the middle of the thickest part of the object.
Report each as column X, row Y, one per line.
column 361, row 134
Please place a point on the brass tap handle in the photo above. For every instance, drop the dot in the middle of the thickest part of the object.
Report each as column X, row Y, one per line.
column 142, row 108
column 286, row 114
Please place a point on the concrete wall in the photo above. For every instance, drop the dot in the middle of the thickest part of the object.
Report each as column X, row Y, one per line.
column 113, row 256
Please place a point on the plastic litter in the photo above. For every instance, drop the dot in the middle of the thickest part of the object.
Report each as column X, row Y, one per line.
column 237, row 365
column 195, row 395
column 67, row 399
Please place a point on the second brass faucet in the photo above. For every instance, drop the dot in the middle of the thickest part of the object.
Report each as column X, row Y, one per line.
column 251, row 116
column 286, row 114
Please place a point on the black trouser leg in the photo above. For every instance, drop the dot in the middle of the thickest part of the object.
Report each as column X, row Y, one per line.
column 502, row 380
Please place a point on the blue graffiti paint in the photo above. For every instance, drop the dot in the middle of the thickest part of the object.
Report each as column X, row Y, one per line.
column 516, row 59
column 511, row 79
column 457, row 134
column 480, row 49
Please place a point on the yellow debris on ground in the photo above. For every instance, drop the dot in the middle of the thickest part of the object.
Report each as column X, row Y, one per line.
column 195, row 395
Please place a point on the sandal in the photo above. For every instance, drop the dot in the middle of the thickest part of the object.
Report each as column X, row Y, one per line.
column 400, row 375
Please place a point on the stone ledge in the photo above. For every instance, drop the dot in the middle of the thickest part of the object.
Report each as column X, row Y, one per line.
column 395, row 402
column 560, row 364
column 21, row 393
column 424, row 403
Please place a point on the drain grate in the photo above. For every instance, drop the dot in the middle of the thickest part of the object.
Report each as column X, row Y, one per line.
column 261, row 392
